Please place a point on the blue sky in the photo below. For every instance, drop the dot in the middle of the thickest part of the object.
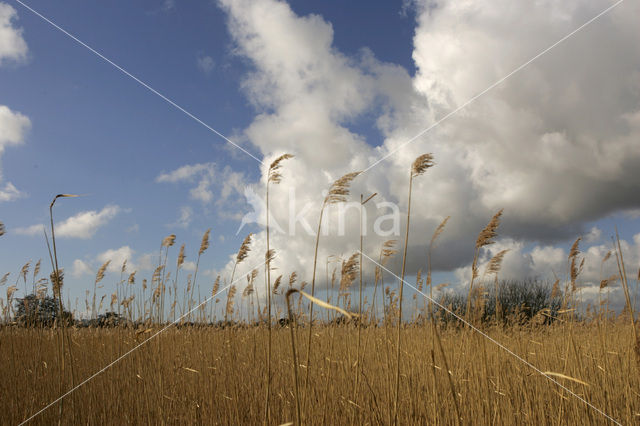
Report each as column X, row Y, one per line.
column 339, row 84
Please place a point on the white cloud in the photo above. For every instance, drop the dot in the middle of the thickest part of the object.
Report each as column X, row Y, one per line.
column 80, row 268
column 117, row 258
column 205, row 64
column 31, row 231
column 208, row 177
column 12, row 45
column 186, row 214
column 189, row 266
column 10, row 193
column 13, row 128
column 83, row 225
column 184, row 173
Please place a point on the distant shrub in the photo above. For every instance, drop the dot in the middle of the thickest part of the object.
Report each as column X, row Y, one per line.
column 518, row 302
column 38, row 311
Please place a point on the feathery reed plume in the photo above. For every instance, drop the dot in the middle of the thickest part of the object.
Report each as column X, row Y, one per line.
column 605, row 282
column 169, row 241
column 269, row 256
column 494, row 265
column 245, row 248
column 242, row 254
column 216, row 286
column 276, row 284
column 229, row 308
column 574, row 269
column 57, row 280
column 2, row 231
column 292, row 278
column 181, row 256
column 485, row 238
column 4, row 278
column 248, row 290
column 99, row 277
column 338, row 192
column 101, row 271
column 419, row 167
column 36, row 270
column 388, row 250
column 274, row 169
column 204, row 245
column 489, row 232
column 349, row 272
column 422, row 164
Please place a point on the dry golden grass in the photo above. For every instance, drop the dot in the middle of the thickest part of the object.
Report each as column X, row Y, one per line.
column 216, row 376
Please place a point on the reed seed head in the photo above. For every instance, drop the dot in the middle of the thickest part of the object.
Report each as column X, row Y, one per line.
column 101, row 271
column 245, row 248
column 276, row 284
column 292, row 278
column 421, row 164
column 339, row 190
column 496, row 263
column 489, row 232
column 274, row 169
column 181, row 256
column 204, row 245
column 349, row 272
column 216, row 286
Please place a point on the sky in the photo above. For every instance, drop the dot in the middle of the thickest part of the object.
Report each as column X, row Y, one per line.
column 172, row 130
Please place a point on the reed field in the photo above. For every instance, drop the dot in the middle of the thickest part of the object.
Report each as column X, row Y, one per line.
column 161, row 353
column 217, row 376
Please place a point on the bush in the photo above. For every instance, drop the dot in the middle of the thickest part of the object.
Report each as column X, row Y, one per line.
column 33, row 310
column 519, row 302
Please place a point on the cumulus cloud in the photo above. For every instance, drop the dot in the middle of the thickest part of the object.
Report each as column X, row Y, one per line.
column 117, row 258
column 10, row 193
column 80, row 268
column 554, row 145
column 83, row 225
column 13, row 128
column 203, row 179
column 12, row 45
column 186, row 214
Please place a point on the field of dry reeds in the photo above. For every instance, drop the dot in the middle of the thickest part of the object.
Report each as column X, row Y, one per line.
column 217, row 376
